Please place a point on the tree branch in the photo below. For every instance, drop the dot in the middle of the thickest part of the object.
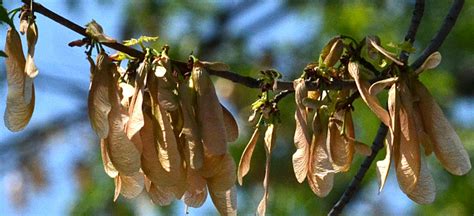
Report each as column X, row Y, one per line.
column 441, row 35
column 235, row 77
column 415, row 22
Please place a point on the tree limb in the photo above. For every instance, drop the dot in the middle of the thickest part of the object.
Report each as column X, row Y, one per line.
column 235, row 77
column 442, row 33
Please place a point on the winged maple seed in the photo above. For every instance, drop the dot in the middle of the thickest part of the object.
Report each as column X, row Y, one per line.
column 21, row 92
column 155, row 132
column 417, row 123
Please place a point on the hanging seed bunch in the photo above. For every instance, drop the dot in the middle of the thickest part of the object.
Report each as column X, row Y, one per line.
column 267, row 117
column 324, row 135
column 20, row 73
column 162, row 130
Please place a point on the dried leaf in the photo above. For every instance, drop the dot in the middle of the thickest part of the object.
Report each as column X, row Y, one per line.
column 209, row 112
column 131, row 186
column 370, row 100
column 425, row 188
column 231, row 127
column 446, row 143
column 99, row 104
column 196, row 192
column 244, row 164
column 21, row 94
column 225, row 201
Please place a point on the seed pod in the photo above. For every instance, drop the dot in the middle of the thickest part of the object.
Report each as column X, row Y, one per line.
column 302, row 133
column 193, row 147
column 99, row 105
column 31, row 38
column 225, row 201
column 131, row 186
column 245, row 159
column 407, row 155
column 393, row 138
column 384, row 52
column 328, row 47
column 108, row 166
column 166, row 96
column 446, row 143
column 320, row 171
column 21, row 94
column 196, row 192
column 270, row 137
column 371, row 101
column 209, row 112
column 231, row 126
column 161, row 195
column 431, row 62
column 150, row 162
column 424, row 191
column 123, row 153
column 334, row 54
column 225, row 177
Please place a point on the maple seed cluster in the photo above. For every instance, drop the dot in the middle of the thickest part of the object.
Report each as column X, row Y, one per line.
column 324, row 135
column 163, row 132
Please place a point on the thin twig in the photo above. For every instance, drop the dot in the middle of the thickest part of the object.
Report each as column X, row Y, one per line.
column 415, row 22
column 235, row 77
column 441, row 35
column 353, row 187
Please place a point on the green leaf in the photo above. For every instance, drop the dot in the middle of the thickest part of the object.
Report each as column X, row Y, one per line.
column 140, row 40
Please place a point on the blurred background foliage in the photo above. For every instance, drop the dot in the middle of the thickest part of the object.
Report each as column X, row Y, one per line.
column 249, row 36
